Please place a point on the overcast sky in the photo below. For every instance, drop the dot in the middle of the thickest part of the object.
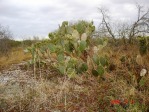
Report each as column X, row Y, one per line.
column 39, row 17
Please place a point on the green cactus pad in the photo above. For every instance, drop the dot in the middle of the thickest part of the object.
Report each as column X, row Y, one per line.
column 103, row 61
column 82, row 46
column 95, row 73
column 52, row 47
column 61, row 69
column 71, row 72
column 60, row 58
column 96, row 59
column 100, row 70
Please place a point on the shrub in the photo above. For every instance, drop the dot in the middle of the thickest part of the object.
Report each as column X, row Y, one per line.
column 143, row 45
column 5, row 37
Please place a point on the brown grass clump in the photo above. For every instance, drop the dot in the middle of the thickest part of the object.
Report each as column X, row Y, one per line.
column 15, row 56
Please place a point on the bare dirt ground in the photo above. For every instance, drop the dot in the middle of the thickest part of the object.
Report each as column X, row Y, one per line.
column 15, row 74
column 21, row 91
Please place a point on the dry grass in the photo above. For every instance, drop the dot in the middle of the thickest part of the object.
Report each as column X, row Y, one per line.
column 65, row 95
column 82, row 94
column 15, row 56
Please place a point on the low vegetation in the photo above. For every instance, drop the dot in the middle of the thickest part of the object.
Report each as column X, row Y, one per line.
column 74, row 71
column 78, row 69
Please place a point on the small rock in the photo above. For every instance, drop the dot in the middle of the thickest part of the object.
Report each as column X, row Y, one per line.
column 143, row 72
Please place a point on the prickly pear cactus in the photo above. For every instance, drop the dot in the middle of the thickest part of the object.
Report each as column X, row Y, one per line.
column 68, row 48
column 143, row 45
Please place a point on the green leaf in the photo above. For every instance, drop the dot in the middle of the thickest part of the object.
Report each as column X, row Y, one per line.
column 62, row 30
column 52, row 47
column 78, row 53
column 69, row 47
column 93, row 28
column 65, row 23
column 100, row 70
column 105, row 43
column 82, row 68
column 103, row 61
column 61, row 69
column 60, row 58
column 100, row 41
column 42, row 50
column 75, row 45
column 59, row 49
column 142, row 82
column 71, row 63
column 96, row 59
column 69, row 30
column 51, row 36
column 82, row 45
column 71, row 72
column 95, row 72
column 81, row 27
column 75, row 34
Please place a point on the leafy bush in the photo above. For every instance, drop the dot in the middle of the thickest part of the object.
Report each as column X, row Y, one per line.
column 14, row 43
column 5, row 37
column 27, row 43
column 144, row 45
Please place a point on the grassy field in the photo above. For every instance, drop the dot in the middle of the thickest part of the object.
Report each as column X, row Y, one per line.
column 118, row 91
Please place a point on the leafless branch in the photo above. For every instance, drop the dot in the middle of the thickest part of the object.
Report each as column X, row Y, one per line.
column 141, row 21
column 105, row 22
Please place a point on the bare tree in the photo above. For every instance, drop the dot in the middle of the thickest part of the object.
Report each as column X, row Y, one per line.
column 105, row 25
column 124, row 30
column 141, row 25
column 5, row 37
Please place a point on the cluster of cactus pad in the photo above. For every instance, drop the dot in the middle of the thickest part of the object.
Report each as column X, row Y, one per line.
column 68, row 50
column 144, row 45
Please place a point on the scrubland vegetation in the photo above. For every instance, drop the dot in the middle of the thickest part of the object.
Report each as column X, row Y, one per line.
column 79, row 69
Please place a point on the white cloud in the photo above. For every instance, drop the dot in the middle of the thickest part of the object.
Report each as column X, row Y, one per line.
column 39, row 17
